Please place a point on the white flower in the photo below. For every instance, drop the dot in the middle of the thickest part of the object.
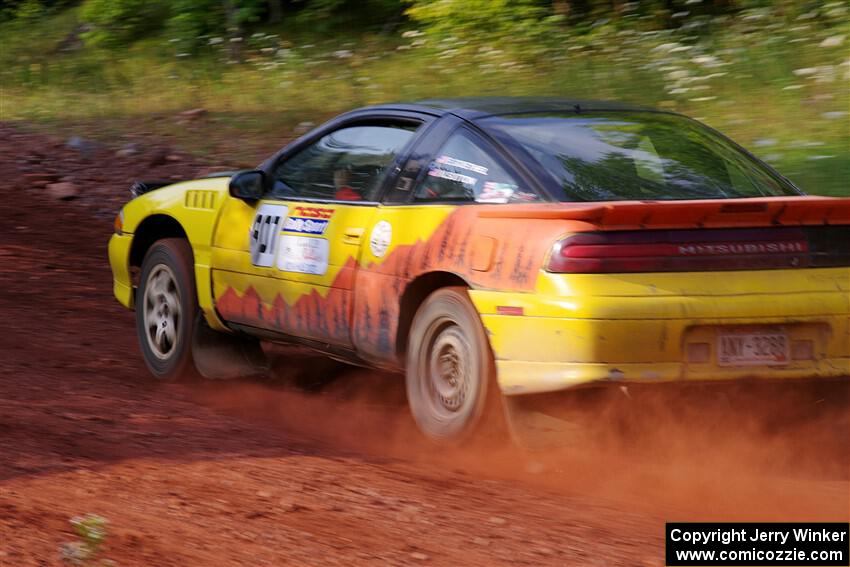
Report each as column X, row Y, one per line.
column 832, row 41
column 665, row 47
column 818, row 157
column 707, row 61
column 805, row 71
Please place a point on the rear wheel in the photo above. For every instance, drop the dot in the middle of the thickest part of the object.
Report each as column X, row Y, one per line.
column 167, row 308
column 450, row 384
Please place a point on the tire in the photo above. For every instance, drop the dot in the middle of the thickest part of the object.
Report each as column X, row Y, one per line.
column 167, row 309
column 450, row 370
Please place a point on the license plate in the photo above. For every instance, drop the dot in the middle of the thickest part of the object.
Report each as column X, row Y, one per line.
column 747, row 348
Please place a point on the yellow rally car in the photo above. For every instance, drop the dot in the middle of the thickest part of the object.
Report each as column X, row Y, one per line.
column 517, row 246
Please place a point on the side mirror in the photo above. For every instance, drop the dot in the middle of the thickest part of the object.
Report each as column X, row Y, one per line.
column 248, row 185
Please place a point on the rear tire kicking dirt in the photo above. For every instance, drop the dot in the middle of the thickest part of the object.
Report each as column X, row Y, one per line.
column 167, row 309
column 450, row 370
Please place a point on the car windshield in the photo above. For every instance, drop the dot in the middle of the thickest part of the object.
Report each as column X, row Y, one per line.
column 607, row 156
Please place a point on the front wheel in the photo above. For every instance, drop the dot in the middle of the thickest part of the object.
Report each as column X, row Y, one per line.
column 166, row 309
column 450, row 384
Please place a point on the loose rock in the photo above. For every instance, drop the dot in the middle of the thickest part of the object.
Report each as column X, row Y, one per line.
column 63, row 191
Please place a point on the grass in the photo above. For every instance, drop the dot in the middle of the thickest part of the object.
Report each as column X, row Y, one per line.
column 780, row 88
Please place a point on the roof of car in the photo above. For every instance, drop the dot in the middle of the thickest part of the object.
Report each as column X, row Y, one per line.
column 480, row 107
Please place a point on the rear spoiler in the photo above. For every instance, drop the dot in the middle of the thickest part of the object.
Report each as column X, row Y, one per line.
column 139, row 188
column 630, row 215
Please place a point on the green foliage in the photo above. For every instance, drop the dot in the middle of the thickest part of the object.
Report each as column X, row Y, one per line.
column 496, row 19
column 28, row 10
column 326, row 15
column 119, row 22
column 773, row 75
column 91, row 531
column 191, row 20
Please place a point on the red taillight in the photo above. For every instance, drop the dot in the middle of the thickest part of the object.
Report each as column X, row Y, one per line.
column 680, row 251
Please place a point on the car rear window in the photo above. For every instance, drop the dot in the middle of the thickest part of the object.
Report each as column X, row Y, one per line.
column 607, row 156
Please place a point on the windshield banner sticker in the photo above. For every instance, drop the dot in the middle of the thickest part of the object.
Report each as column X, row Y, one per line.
column 303, row 254
column 436, row 171
column 448, row 160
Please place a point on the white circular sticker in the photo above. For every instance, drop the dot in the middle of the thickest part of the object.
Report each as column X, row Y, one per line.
column 382, row 234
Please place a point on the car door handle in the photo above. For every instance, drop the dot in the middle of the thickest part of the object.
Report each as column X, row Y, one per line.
column 352, row 235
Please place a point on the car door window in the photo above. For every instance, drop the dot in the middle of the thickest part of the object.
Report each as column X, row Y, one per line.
column 465, row 170
column 346, row 165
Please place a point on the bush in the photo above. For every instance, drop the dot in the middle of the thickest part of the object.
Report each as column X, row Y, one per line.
column 119, row 22
column 518, row 19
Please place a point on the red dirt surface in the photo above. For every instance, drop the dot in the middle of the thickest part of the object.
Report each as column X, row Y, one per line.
column 258, row 472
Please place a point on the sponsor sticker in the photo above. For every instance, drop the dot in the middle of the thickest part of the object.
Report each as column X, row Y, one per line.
column 263, row 235
column 312, row 212
column 302, row 254
column 454, row 162
column 382, row 235
column 494, row 192
column 522, row 196
column 436, row 171
column 302, row 225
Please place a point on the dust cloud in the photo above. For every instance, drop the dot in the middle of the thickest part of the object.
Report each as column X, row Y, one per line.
column 745, row 451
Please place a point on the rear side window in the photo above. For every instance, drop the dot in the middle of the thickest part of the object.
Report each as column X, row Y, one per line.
column 346, row 165
column 464, row 170
column 605, row 156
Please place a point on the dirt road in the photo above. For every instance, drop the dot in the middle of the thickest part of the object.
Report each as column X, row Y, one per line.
column 255, row 473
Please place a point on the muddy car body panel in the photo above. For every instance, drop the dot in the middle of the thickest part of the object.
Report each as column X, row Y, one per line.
column 444, row 198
